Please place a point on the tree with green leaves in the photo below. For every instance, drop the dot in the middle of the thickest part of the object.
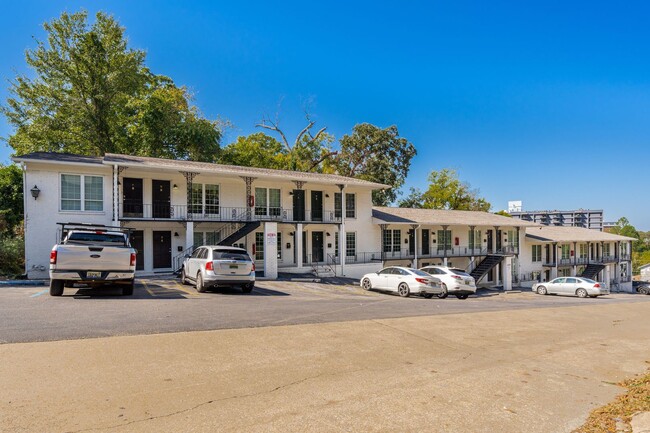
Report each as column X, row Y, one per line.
column 91, row 94
column 255, row 150
column 446, row 191
column 11, row 199
column 377, row 155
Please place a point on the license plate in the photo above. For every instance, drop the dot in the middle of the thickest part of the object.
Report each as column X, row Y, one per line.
column 234, row 267
column 93, row 274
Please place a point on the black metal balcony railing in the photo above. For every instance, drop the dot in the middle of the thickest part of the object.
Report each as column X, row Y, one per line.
column 449, row 252
column 221, row 213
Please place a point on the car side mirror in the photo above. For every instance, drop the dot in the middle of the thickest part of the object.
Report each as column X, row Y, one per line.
column 187, row 256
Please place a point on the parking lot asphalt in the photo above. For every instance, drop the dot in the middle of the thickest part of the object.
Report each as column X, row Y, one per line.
column 163, row 305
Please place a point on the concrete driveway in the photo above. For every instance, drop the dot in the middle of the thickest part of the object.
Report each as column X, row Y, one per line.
column 526, row 370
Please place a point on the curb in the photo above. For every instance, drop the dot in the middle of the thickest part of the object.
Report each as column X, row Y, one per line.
column 22, row 283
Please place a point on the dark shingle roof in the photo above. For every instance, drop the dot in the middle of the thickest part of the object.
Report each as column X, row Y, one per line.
column 59, row 157
column 397, row 215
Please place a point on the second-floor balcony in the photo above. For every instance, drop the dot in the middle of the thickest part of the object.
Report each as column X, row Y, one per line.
column 449, row 252
column 216, row 213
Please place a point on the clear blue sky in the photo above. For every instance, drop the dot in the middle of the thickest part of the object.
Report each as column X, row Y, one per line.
column 546, row 102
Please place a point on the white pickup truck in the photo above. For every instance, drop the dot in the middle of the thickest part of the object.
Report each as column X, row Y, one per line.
column 92, row 255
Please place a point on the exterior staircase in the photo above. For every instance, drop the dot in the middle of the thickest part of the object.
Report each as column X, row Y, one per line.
column 592, row 270
column 489, row 262
column 322, row 270
column 239, row 233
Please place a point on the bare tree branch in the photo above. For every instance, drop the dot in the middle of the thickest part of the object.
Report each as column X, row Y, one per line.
column 301, row 133
column 268, row 124
column 323, row 158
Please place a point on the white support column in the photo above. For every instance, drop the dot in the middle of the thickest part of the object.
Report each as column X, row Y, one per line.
column 415, row 247
column 607, row 276
column 271, row 251
column 189, row 234
column 574, row 271
column 444, row 261
column 298, row 245
column 497, row 271
column 342, row 237
column 506, row 274
column 116, row 196
column 472, row 264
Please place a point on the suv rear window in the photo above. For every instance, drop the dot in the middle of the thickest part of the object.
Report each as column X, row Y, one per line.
column 90, row 238
column 460, row 272
column 230, row 255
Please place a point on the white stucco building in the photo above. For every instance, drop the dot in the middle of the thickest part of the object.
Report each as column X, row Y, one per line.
column 295, row 222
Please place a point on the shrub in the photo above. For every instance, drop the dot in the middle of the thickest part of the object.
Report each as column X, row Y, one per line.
column 12, row 256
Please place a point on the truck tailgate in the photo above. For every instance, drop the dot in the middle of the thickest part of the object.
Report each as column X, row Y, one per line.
column 93, row 258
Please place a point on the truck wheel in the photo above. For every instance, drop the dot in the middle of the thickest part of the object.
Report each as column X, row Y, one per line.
column 56, row 287
column 128, row 289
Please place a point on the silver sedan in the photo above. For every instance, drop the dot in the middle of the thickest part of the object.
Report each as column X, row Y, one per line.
column 572, row 286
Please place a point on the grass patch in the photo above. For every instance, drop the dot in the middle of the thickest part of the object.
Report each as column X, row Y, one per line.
column 635, row 399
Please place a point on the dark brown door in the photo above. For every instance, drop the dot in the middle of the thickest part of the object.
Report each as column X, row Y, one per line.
column 298, row 205
column 425, row 242
column 317, row 246
column 489, row 241
column 317, row 206
column 137, row 242
column 499, row 234
column 162, row 249
column 160, row 199
column 132, row 197
column 411, row 242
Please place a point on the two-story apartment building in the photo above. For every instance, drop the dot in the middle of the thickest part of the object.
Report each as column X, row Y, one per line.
column 485, row 244
column 556, row 251
column 284, row 219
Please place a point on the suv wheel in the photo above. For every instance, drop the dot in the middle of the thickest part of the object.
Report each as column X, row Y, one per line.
column 247, row 288
column 199, row 283
column 183, row 277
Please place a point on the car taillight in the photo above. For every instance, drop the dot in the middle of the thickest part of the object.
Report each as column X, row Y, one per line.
column 253, row 269
column 53, row 257
column 132, row 259
column 422, row 280
column 209, row 266
column 596, row 286
column 456, row 277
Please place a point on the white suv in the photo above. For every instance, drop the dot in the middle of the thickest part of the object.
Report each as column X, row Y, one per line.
column 454, row 281
column 212, row 266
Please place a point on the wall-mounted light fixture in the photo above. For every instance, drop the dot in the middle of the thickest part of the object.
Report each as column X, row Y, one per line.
column 291, row 233
column 35, row 192
column 290, row 192
column 175, row 234
column 328, row 234
column 175, row 187
column 327, row 195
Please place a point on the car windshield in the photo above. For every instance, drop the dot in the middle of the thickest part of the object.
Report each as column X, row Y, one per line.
column 230, row 255
column 460, row 272
column 419, row 272
column 96, row 238
column 588, row 280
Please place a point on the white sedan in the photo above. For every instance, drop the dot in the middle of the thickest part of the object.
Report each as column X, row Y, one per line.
column 402, row 280
column 573, row 286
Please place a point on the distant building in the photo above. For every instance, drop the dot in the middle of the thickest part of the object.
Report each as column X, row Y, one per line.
column 586, row 218
column 645, row 272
